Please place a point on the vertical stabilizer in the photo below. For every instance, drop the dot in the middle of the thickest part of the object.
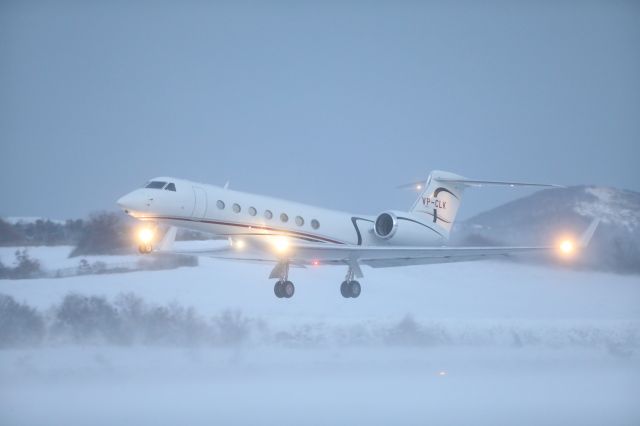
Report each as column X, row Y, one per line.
column 440, row 200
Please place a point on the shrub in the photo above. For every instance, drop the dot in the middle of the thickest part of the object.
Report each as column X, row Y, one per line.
column 104, row 233
column 231, row 327
column 19, row 324
column 85, row 319
column 9, row 234
column 26, row 267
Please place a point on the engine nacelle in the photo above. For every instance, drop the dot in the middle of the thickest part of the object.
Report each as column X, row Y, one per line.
column 386, row 225
column 403, row 228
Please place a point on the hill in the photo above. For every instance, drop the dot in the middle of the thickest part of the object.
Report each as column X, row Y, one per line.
column 545, row 216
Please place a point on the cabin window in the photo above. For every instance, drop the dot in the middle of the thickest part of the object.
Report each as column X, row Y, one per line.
column 315, row 224
column 284, row 217
column 268, row 214
column 170, row 187
column 156, row 184
column 252, row 211
column 299, row 221
column 220, row 204
column 236, row 208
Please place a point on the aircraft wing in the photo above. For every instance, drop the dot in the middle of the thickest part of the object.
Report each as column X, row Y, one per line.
column 301, row 254
column 399, row 256
column 390, row 256
column 376, row 257
column 386, row 257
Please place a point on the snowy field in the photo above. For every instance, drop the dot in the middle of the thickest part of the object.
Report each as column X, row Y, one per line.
column 486, row 343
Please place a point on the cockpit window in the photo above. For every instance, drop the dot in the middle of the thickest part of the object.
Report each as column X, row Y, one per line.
column 170, row 187
column 155, row 184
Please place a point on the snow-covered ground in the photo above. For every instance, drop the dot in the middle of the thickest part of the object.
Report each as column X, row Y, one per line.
column 57, row 257
column 522, row 345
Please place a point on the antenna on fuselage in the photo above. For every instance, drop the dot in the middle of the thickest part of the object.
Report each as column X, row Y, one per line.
column 226, row 185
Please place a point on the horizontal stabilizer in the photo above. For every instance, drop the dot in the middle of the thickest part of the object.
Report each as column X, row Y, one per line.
column 474, row 182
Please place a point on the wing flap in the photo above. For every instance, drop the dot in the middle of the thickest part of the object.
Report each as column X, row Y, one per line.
column 401, row 255
column 390, row 263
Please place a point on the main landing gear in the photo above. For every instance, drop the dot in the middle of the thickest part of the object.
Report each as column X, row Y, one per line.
column 350, row 288
column 284, row 289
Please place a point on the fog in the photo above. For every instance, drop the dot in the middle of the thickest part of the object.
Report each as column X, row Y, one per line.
column 129, row 321
column 232, row 369
column 346, row 385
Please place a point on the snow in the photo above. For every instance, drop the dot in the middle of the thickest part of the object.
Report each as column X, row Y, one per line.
column 610, row 207
column 57, row 257
column 524, row 344
column 473, row 290
column 345, row 387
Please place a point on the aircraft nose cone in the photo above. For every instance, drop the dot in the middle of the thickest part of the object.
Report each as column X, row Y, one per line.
column 126, row 201
column 135, row 201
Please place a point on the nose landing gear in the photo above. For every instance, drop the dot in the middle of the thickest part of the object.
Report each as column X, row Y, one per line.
column 145, row 248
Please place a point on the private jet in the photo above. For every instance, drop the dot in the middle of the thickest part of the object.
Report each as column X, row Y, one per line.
column 290, row 234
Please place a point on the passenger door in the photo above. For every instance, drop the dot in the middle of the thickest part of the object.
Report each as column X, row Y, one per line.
column 200, row 205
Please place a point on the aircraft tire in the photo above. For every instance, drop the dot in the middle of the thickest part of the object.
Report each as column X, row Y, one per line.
column 355, row 289
column 278, row 290
column 145, row 248
column 288, row 289
column 345, row 289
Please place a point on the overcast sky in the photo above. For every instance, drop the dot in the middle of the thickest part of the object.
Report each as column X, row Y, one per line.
column 329, row 103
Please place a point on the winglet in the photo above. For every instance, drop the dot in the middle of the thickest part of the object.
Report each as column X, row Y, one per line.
column 169, row 238
column 586, row 235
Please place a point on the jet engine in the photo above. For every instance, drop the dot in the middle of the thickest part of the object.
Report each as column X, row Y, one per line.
column 402, row 228
column 386, row 225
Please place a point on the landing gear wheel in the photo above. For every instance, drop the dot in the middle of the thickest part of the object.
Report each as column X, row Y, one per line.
column 288, row 289
column 284, row 289
column 345, row 290
column 278, row 289
column 145, row 248
column 350, row 289
column 355, row 289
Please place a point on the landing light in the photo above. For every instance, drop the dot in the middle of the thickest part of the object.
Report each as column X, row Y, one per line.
column 238, row 244
column 145, row 235
column 418, row 187
column 567, row 247
column 281, row 244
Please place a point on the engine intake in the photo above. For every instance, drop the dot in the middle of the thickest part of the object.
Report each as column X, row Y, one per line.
column 386, row 225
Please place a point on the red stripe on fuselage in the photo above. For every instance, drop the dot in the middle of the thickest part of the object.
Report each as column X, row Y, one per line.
column 243, row 225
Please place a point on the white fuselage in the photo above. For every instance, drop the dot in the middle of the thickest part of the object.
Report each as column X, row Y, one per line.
column 228, row 213
column 286, row 233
